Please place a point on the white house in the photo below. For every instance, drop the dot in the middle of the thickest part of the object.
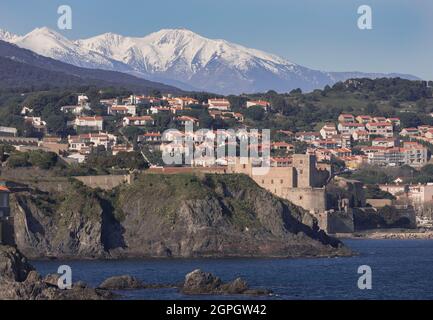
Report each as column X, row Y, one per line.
column 82, row 100
column 264, row 104
column 138, row 121
column 77, row 110
column 150, row 137
column 155, row 110
column 8, row 131
column 328, row 131
column 184, row 120
column 384, row 129
column 93, row 123
column 219, row 104
column 408, row 132
column 77, row 157
column 129, row 109
column 350, row 127
column 82, row 141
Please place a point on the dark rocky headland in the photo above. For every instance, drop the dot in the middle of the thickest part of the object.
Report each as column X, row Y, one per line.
column 181, row 215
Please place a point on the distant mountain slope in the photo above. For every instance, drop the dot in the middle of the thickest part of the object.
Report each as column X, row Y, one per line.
column 20, row 75
column 183, row 58
column 24, row 68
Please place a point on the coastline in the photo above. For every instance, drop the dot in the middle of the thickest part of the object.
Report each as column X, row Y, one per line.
column 383, row 234
column 343, row 253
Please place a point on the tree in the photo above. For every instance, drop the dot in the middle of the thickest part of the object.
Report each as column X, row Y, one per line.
column 131, row 161
column 278, row 103
column 162, row 120
column 237, row 102
column 205, row 120
column 156, row 93
column 56, row 124
column 255, row 113
column 296, row 91
column 5, row 150
column 409, row 119
column 19, row 159
column 421, row 106
column 372, row 109
column 132, row 132
column 300, row 147
column 42, row 160
column 374, row 192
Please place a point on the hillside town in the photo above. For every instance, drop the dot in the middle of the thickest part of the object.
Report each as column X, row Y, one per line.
column 144, row 125
column 353, row 140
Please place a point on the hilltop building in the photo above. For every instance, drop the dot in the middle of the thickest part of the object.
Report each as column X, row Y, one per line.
column 300, row 182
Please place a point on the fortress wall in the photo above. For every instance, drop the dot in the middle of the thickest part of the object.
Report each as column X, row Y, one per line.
column 339, row 222
column 311, row 199
column 104, row 182
column 276, row 180
column 192, row 170
column 301, row 183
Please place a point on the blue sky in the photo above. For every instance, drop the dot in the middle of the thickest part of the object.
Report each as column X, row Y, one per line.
column 320, row 34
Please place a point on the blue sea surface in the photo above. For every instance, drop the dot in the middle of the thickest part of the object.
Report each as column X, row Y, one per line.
column 401, row 269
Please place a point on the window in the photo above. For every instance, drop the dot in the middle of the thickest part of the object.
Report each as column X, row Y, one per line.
column 272, row 181
column 301, row 197
column 244, row 166
column 281, row 181
column 301, row 171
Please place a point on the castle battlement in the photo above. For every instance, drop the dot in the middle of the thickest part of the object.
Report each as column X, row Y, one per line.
column 301, row 182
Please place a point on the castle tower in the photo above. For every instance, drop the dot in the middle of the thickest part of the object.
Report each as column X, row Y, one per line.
column 305, row 167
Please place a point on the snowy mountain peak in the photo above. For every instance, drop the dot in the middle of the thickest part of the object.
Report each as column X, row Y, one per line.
column 44, row 38
column 7, row 36
column 174, row 35
column 182, row 58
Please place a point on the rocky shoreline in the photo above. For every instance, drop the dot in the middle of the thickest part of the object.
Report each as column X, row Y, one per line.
column 20, row 281
column 389, row 234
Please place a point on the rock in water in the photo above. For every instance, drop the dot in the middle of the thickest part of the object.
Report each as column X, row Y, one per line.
column 124, row 282
column 237, row 286
column 199, row 282
column 19, row 281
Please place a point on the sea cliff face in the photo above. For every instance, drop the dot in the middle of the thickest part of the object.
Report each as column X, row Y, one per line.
column 167, row 216
column 66, row 224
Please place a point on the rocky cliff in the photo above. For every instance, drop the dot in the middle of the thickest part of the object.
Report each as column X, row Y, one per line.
column 167, row 216
column 62, row 224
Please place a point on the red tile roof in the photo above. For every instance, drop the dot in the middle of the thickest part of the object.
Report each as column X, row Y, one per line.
column 4, row 189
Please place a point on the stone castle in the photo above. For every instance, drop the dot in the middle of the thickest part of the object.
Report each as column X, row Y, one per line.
column 302, row 182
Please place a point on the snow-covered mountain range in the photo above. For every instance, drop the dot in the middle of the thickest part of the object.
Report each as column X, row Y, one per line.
column 183, row 58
